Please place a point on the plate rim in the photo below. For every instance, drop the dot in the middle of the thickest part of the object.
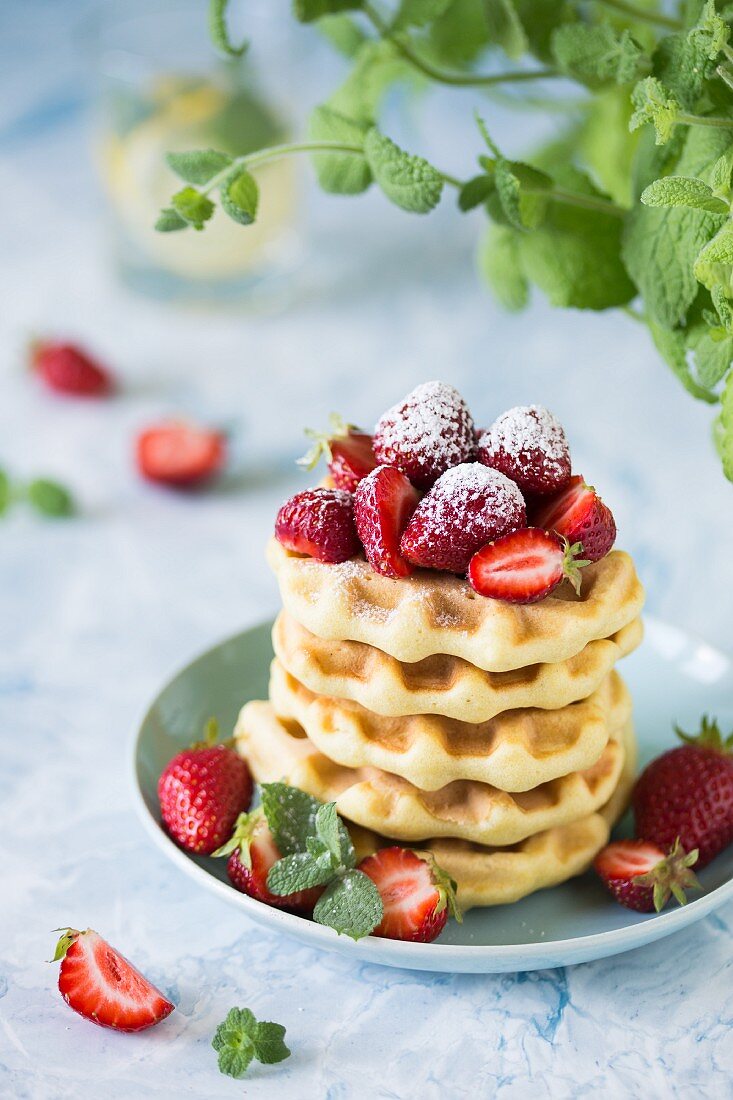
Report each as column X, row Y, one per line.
column 397, row 952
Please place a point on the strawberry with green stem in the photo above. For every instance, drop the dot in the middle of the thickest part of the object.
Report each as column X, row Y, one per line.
column 347, row 450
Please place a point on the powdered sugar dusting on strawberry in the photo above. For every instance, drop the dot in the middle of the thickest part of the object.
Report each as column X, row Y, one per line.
column 426, row 433
column 528, row 444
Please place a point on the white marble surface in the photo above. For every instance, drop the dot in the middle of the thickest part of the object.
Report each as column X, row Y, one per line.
column 95, row 612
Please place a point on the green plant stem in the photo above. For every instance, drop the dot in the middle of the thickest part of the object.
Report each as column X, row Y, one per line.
column 643, row 16
column 705, row 120
column 466, row 80
column 585, row 202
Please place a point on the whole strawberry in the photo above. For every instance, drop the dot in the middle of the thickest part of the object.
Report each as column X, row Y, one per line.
column 319, row 523
column 641, row 877
column 202, row 791
column 347, row 451
column 687, row 792
column 426, row 433
column 67, row 368
column 468, row 506
column 528, row 444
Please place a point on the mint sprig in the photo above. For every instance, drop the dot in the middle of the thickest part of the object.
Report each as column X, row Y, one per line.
column 45, row 496
column 241, row 1038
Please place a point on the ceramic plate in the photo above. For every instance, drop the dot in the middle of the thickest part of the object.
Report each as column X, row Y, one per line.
column 672, row 677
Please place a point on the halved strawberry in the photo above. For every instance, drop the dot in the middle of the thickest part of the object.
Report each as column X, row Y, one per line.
column 102, row 986
column 252, row 852
column 641, row 877
column 579, row 515
column 524, row 566
column 179, row 454
column 383, row 504
column 348, row 453
column 416, row 894
column 320, row 523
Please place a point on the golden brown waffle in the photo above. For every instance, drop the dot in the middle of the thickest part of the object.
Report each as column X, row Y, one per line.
column 430, row 612
column 442, row 684
column 389, row 805
column 514, row 751
column 497, row 876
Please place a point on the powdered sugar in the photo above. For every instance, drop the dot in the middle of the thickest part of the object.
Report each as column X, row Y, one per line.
column 527, row 428
column 426, row 433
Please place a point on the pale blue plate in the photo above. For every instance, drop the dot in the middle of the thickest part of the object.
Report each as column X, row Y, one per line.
column 673, row 677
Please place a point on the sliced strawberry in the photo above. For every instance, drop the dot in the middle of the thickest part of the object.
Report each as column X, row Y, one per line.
column 417, row 896
column 467, row 507
column 252, row 852
column 202, row 791
column 101, row 985
column 320, row 523
column 641, row 877
column 579, row 515
column 67, row 368
column 524, row 566
column 348, row 453
column 383, row 504
column 528, row 444
column 426, row 433
column 179, row 454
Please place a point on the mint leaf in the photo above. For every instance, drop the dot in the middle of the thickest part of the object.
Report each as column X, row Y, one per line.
column 169, row 220
column 712, row 353
column 239, row 197
column 683, row 191
column 300, row 871
column 6, row 492
column 291, row 816
column 457, row 37
column 724, row 429
column 653, row 103
column 505, row 27
column 268, row 1041
column 596, row 55
column 339, row 173
column 475, row 191
column 218, row 31
column 670, row 343
column 241, row 1037
column 723, row 307
column 343, row 33
column 684, row 61
column 720, row 177
column 714, row 264
column 193, row 207
column 500, row 264
column 507, row 190
column 197, row 166
column 50, row 498
column 351, row 905
column 408, row 181
column 308, row 10
column 419, row 13
column 377, row 65
column 327, row 830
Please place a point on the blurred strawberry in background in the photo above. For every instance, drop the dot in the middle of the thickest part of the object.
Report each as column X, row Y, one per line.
column 67, row 368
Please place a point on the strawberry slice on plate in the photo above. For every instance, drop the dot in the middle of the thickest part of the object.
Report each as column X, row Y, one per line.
column 578, row 514
column 524, row 566
column 102, row 986
column 383, row 505
column 641, row 877
column 180, row 454
column 416, row 894
column 347, row 451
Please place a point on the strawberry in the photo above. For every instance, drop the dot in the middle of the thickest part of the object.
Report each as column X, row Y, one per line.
column 102, row 986
column 252, row 852
column 641, row 877
column 525, row 566
column 528, row 444
column 579, row 515
column 202, row 791
column 416, row 894
column 468, row 506
column 687, row 792
column 348, row 453
column 320, row 523
column 179, row 454
column 67, row 368
column 383, row 504
column 426, row 433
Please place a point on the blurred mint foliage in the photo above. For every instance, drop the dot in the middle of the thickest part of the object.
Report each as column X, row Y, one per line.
column 48, row 498
column 631, row 203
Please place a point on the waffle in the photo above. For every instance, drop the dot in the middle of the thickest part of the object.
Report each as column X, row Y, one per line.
column 498, row 876
column 415, row 617
column 442, row 684
column 515, row 751
column 388, row 804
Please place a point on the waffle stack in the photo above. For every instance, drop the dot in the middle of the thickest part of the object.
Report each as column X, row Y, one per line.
column 496, row 735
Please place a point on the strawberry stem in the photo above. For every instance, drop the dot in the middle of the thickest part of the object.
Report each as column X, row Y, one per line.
column 572, row 563
column 709, row 736
column 672, row 876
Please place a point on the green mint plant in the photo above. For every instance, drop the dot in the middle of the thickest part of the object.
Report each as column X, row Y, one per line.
column 241, row 1038
column 632, row 203
column 48, row 498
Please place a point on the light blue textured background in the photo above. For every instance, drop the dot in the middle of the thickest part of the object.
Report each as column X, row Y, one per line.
column 95, row 613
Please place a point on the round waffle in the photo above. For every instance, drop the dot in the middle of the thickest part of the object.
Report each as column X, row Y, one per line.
column 429, row 612
column 514, row 751
column 389, row 805
column 442, row 684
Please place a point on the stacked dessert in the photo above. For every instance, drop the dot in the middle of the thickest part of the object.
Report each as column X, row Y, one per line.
column 445, row 659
